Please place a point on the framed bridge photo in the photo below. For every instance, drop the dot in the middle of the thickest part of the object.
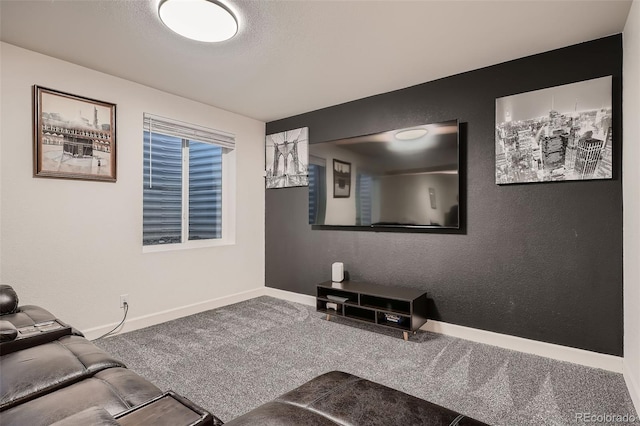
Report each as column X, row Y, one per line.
column 287, row 159
column 74, row 136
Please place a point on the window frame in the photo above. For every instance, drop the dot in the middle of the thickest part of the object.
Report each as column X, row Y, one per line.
column 228, row 196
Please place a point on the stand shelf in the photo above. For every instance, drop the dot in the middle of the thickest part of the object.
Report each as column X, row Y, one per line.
column 399, row 308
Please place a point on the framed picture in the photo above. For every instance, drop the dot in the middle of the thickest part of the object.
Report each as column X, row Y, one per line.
column 74, row 136
column 341, row 179
column 287, row 159
column 561, row 133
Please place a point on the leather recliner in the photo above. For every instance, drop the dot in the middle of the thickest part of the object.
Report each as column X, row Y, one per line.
column 59, row 377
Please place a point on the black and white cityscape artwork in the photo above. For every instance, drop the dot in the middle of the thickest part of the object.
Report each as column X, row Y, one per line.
column 287, row 158
column 556, row 134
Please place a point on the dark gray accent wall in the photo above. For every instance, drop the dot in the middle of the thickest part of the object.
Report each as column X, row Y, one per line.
column 541, row 261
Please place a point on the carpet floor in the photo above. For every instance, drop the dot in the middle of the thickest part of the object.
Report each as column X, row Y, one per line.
column 232, row 359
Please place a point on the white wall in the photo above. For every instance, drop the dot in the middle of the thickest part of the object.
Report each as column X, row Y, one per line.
column 54, row 252
column 631, row 196
column 339, row 211
column 407, row 198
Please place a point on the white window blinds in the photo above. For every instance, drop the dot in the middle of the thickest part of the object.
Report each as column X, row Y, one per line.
column 179, row 129
column 183, row 181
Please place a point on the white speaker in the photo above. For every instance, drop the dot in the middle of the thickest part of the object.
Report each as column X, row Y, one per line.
column 337, row 272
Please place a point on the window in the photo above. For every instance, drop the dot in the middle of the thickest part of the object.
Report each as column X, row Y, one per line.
column 317, row 171
column 188, row 181
column 364, row 198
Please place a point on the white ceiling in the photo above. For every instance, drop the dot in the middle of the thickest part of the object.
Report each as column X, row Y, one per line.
column 291, row 57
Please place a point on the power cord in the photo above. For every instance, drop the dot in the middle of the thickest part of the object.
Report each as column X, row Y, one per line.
column 126, row 311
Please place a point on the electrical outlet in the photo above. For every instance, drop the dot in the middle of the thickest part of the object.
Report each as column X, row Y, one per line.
column 124, row 298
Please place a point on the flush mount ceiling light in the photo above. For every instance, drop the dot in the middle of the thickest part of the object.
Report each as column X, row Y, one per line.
column 410, row 141
column 201, row 20
column 411, row 134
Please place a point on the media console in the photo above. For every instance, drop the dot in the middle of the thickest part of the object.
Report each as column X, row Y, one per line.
column 400, row 308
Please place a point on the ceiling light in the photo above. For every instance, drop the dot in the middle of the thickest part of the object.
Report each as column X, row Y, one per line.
column 201, row 20
column 411, row 134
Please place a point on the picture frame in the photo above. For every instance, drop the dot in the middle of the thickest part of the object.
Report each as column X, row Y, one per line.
column 74, row 136
column 341, row 179
column 560, row 133
column 287, row 159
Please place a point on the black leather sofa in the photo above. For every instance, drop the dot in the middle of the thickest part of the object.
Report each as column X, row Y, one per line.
column 52, row 375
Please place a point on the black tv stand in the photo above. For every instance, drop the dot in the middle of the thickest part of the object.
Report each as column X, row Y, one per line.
column 399, row 308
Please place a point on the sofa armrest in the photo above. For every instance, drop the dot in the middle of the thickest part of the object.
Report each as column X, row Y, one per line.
column 35, row 335
column 167, row 409
column 8, row 331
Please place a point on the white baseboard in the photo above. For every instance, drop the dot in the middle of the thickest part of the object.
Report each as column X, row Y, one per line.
column 304, row 299
column 548, row 350
column 632, row 384
column 534, row 347
column 175, row 313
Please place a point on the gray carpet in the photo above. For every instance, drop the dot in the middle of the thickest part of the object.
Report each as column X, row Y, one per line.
column 232, row 359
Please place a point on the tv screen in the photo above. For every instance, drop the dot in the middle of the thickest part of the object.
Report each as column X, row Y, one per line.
column 399, row 179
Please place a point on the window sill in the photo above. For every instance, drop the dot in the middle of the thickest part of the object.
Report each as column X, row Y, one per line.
column 187, row 246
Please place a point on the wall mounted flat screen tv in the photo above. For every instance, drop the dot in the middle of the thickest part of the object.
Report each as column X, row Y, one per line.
column 402, row 179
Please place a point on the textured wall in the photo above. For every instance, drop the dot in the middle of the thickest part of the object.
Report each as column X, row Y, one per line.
column 75, row 246
column 540, row 261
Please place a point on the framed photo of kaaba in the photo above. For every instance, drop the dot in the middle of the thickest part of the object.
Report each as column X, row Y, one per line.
column 74, row 136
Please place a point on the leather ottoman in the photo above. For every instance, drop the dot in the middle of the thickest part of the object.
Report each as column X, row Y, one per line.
column 338, row 398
